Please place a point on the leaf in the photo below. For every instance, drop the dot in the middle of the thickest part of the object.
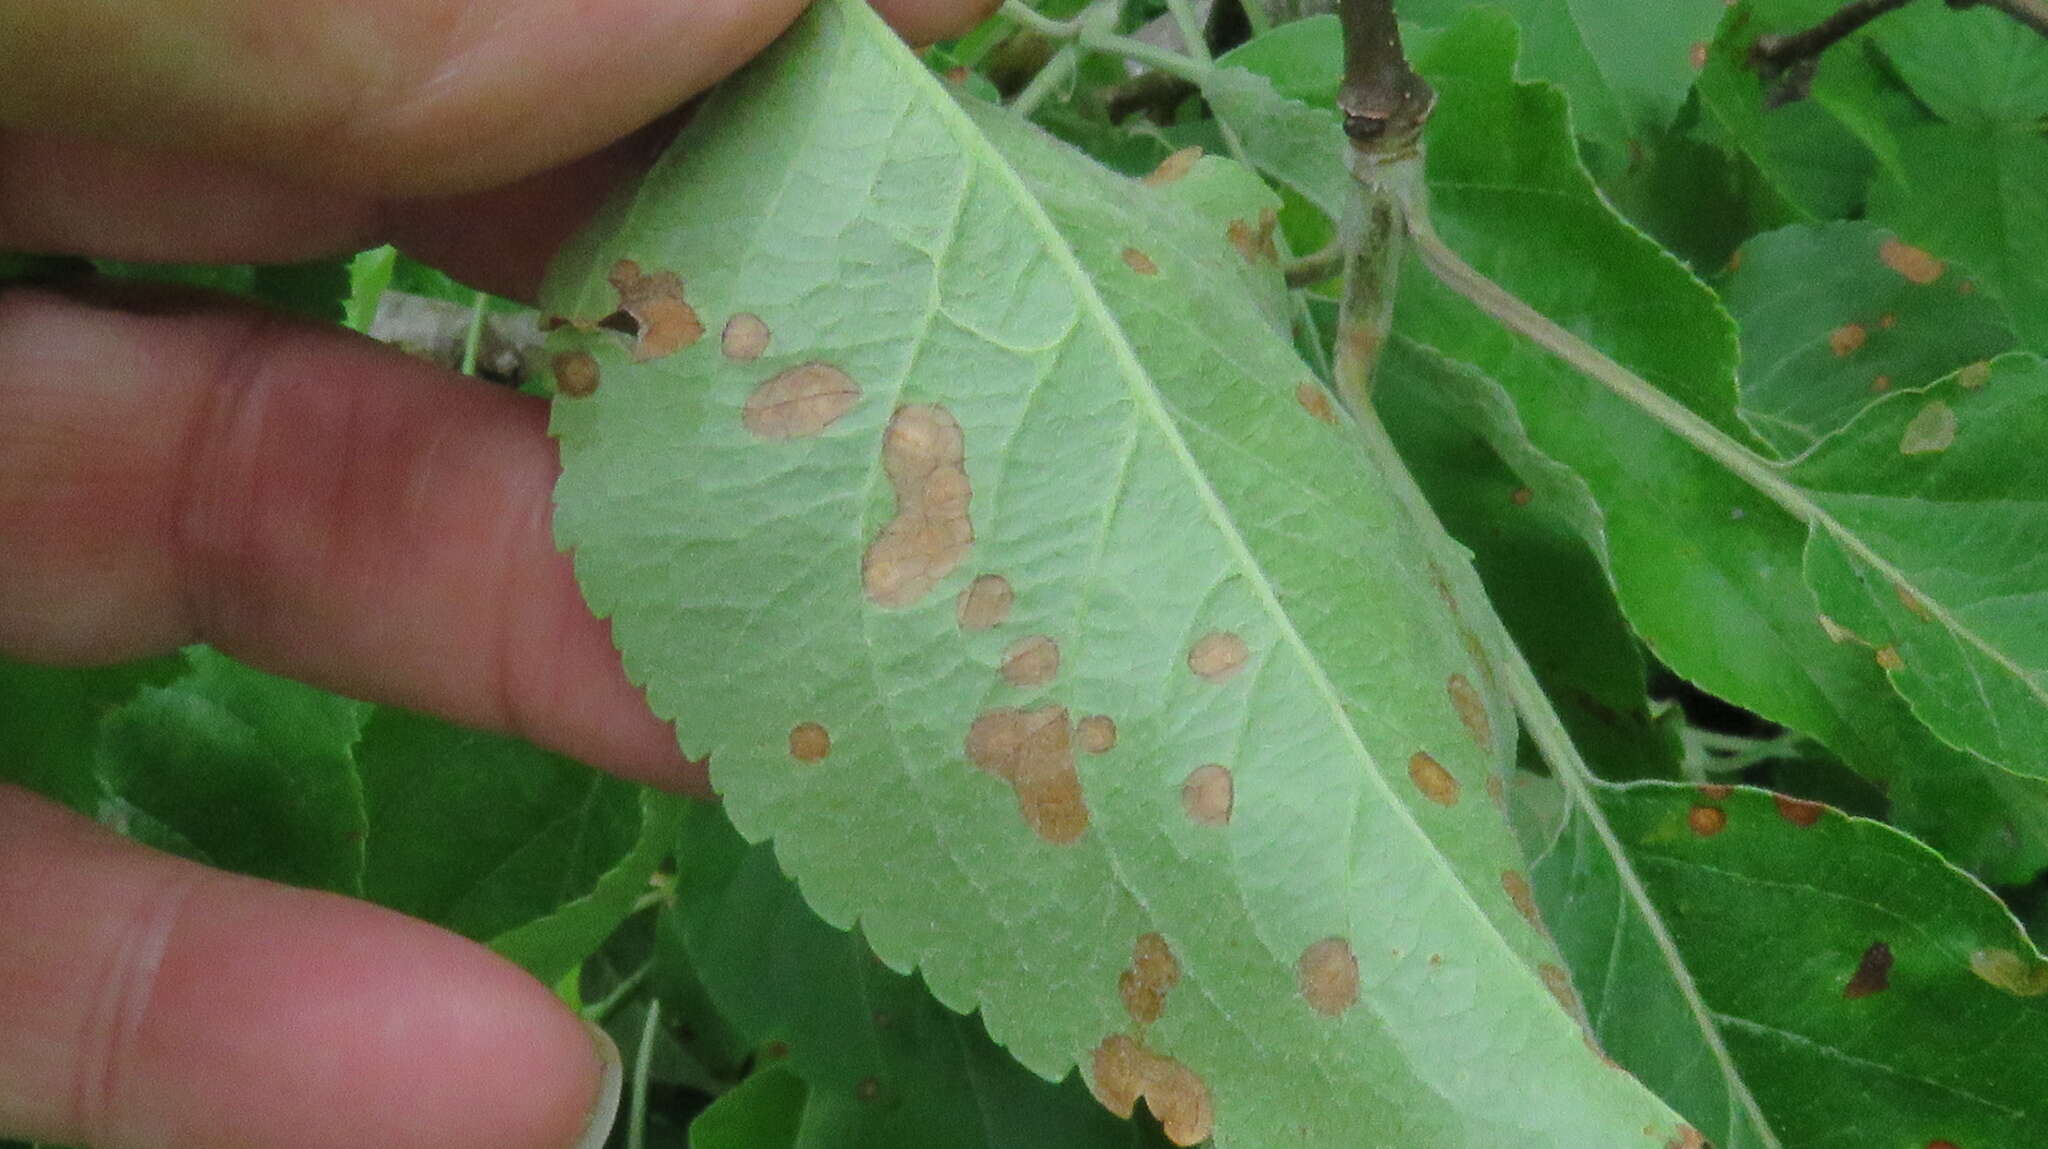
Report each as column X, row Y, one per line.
column 253, row 772
column 763, row 1112
column 1829, row 326
column 1145, row 465
column 49, row 721
column 1300, row 145
column 1940, row 564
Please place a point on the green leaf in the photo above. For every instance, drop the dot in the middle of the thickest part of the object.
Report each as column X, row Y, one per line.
column 1226, row 577
column 369, row 275
column 1977, row 67
column 763, row 1112
column 1300, row 145
column 255, row 773
column 1834, row 316
column 1303, row 58
column 49, row 722
column 1941, row 560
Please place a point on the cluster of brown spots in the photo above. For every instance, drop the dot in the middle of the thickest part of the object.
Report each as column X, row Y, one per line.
column 1173, row 167
column 1912, row 603
column 1436, row 783
column 576, row 374
column 1033, row 751
column 1888, row 320
column 664, row 323
column 1847, row 338
column 1916, row 265
column 1836, row 632
column 1522, row 497
column 1559, row 983
column 745, row 337
column 984, row 604
column 1798, row 811
column 1931, row 431
column 1125, row 1071
column 1316, row 401
column 1096, row 733
column 1153, row 973
column 1328, row 975
column 1716, row 791
column 1890, row 658
column 809, row 742
column 1139, row 262
column 1471, row 710
column 1873, row 972
column 1208, row 795
column 924, row 455
column 1974, row 376
column 1517, row 888
column 1706, row 821
column 2010, row 972
column 1218, row 656
column 1031, row 661
column 799, row 402
column 1256, row 244
column 1687, row 1138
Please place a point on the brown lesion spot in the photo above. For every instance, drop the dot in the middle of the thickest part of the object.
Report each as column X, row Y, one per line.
column 984, row 604
column 1847, row 339
column 1033, row 751
column 1031, row 661
column 1096, row 733
column 1716, row 791
column 1559, row 983
column 809, row 742
column 1912, row 603
column 1516, row 886
column 1153, row 972
column 1436, row 783
column 1208, row 795
column 1798, row 811
column 662, row 323
column 1173, row 167
column 745, row 337
column 1687, row 1138
column 1931, row 431
column 2010, row 972
column 799, row 402
column 1471, row 710
column 1706, row 821
column 1255, row 242
column 1316, row 401
column 1873, row 972
column 1915, row 264
column 1218, row 656
column 1890, row 658
column 924, row 455
column 1327, row 973
column 1139, row 262
column 576, row 374
column 1125, row 1071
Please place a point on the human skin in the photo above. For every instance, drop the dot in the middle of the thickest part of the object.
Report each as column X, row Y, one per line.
column 178, row 469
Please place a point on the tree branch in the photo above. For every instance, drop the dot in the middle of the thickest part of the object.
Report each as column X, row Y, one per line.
column 1381, row 95
column 1786, row 61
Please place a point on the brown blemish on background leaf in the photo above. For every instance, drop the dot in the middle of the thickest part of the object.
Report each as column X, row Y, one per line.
column 799, row 402
column 1255, row 244
column 1932, row 430
column 809, row 742
column 984, row 603
column 1941, row 1145
column 1096, row 734
column 745, row 337
column 1974, row 376
column 1517, row 888
column 1218, row 656
column 666, row 324
column 576, row 374
column 1033, row 751
column 1031, row 661
column 1154, row 971
column 1798, row 811
column 1687, row 1138
column 2010, row 972
column 1522, row 497
column 1888, row 320
column 1716, row 791
column 1845, row 340
column 1316, row 401
column 1208, row 795
column 1139, row 262
column 1173, row 167
column 1430, row 777
column 924, row 455
column 1497, row 790
column 1890, row 658
column 1706, row 821
column 1471, row 710
column 1912, row 603
column 1559, row 983
column 1125, row 1071
column 1328, row 975
column 1873, row 972
column 1880, row 385
column 1836, row 632
column 1915, row 264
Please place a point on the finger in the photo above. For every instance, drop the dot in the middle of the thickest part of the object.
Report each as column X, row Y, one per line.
column 314, row 503
column 383, row 96
column 152, row 1002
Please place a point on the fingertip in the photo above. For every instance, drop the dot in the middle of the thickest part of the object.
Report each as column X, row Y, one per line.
column 925, row 22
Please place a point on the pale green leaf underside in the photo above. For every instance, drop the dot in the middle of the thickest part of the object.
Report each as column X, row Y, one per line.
column 1144, row 472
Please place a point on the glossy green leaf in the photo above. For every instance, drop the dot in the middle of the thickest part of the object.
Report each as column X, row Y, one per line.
column 763, row 1112
column 1141, row 458
column 1830, row 325
column 49, row 723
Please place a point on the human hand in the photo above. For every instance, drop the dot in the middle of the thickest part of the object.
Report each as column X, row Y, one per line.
column 316, row 505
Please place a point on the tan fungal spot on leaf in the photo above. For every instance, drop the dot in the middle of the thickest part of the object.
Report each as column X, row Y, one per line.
column 1173, row 167
column 1974, row 376
column 1522, row 497
column 1912, row 603
column 1316, row 401
column 809, row 742
column 1716, row 791
column 1931, row 431
column 1687, row 1138
column 1031, row 661
column 2010, row 972
column 1941, row 1145
column 1798, row 811
column 984, row 604
column 1915, row 264
column 1517, row 888
column 745, row 337
column 665, row 324
column 799, row 402
column 868, row 1089
column 1706, row 821
column 924, row 455
column 1967, row 287
column 1218, row 656
column 1033, row 751
column 1208, row 795
column 1436, row 783
column 1471, row 710
column 1328, row 975
column 1096, row 734
column 1880, row 385
column 1139, row 262
column 1696, row 55
column 1153, row 972
column 1559, row 983
column 1873, row 972
column 576, row 374
column 1497, row 790
column 1890, row 658
column 1255, row 244
column 1888, row 320
column 1845, row 340
column 1125, row 1071
column 1836, row 632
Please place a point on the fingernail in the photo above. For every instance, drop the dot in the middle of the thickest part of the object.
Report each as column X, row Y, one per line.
column 605, row 1110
